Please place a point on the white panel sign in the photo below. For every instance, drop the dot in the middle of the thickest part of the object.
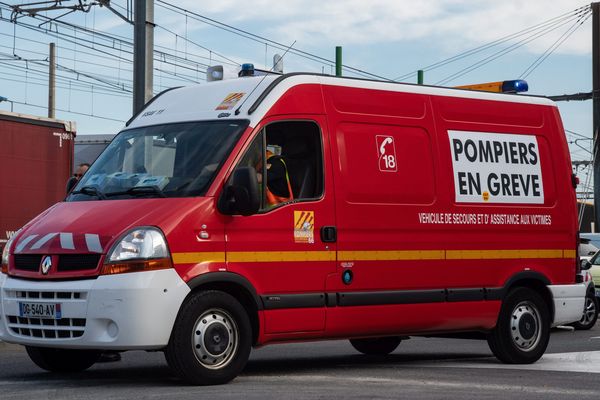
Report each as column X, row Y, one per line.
column 496, row 168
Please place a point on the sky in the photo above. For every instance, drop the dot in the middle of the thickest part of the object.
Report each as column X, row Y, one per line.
column 390, row 39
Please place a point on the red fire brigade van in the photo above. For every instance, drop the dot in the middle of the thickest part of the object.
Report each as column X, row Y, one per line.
column 400, row 210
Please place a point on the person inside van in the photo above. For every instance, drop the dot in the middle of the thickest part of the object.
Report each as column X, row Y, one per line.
column 279, row 189
column 77, row 175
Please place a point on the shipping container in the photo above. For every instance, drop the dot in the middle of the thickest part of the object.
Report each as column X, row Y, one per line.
column 36, row 160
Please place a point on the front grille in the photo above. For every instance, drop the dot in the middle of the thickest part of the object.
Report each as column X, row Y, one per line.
column 65, row 328
column 46, row 328
column 66, row 262
column 28, row 262
column 77, row 262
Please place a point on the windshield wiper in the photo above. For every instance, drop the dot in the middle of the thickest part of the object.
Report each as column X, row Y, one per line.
column 139, row 191
column 91, row 191
column 136, row 190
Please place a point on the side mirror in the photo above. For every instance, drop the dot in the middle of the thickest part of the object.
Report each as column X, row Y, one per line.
column 241, row 195
column 585, row 265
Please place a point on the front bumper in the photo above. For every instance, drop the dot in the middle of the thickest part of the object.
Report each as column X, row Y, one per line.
column 120, row 312
column 568, row 302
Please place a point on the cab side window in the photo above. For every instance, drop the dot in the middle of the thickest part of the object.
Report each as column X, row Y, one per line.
column 293, row 170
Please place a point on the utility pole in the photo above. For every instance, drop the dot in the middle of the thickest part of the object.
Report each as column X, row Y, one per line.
column 338, row 60
column 52, row 81
column 143, row 53
column 596, row 105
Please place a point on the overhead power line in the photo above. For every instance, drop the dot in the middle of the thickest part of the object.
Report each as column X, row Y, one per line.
column 69, row 111
column 527, row 31
column 509, row 49
column 261, row 39
column 555, row 45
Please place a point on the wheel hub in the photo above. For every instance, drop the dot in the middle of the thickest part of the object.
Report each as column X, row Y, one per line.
column 525, row 326
column 215, row 339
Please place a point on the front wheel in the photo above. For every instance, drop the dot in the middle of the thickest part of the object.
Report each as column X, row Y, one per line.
column 62, row 360
column 376, row 346
column 522, row 332
column 211, row 340
column 590, row 313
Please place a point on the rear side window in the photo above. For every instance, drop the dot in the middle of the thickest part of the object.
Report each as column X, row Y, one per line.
column 386, row 164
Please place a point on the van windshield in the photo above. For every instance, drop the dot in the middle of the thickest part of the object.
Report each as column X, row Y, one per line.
column 172, row 160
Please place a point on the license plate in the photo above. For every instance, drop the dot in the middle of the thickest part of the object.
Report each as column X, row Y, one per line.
column 40, row 310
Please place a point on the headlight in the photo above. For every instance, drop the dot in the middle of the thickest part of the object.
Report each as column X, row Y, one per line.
column 6, row 253
column 142, row 249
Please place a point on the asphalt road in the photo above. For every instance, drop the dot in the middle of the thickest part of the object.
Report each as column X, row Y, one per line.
column 420, row 368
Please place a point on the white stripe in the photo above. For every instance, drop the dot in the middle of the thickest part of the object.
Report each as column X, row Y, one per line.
column 335, row 380
column 587, row 361
column 43, row 241
column 3, row 240
column 66, row 241
column 93, row 242
column 24, row 243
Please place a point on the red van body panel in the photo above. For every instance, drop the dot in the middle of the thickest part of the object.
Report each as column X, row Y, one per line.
column 422, row 246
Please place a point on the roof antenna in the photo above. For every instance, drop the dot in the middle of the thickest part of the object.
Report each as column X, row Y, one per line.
column 263, row 78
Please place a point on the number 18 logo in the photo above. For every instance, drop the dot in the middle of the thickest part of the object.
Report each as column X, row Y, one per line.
column 386, row 152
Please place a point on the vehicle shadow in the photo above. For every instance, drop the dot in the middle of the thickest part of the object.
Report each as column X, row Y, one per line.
column 131, row 374
column 293, row 365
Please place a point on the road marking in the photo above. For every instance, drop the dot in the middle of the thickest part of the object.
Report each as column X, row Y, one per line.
column 587, row 361
column 330, row 380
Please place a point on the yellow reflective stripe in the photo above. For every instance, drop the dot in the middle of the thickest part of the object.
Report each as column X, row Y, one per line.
column 280, row 256
column 197, row 258
column 452, row 254
column 390, row 255
column 502, row 254
column 370, row 255
column 569, row 253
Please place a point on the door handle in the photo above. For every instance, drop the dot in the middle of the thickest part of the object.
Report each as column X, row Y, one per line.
column 328, row 234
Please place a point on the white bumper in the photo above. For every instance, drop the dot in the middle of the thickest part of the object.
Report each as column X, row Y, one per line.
column 568, row 302
column 121, row 312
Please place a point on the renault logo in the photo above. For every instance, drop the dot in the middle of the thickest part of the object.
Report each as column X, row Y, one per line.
column 46, row 264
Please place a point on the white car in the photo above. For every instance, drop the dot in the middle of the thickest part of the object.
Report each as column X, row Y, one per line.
column 590, row 310
column 594, row 270
column 587, row 248
column 588, row 253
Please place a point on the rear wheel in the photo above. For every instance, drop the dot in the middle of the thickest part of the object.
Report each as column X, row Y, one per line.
column 522, row 332
column 211, row 340
column 376, row 346
column 62, row 360
column 590, row 313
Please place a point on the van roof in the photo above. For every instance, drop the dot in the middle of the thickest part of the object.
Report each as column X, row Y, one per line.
column 251, row 97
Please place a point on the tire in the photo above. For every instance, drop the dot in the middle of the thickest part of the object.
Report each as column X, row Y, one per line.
column 522, row 332
column 211, row 339
column 376, row 346
column 590, row 313
column 62, row 360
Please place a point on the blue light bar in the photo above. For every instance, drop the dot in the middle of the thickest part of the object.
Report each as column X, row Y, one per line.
column 247, row 70
column 516, row 86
